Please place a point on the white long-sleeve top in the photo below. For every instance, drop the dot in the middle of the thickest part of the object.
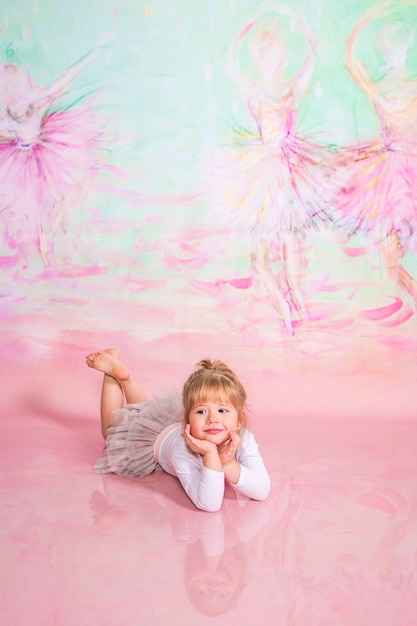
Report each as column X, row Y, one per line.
column 204, row 486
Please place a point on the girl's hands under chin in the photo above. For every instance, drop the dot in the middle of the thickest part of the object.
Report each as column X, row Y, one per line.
column 227, row 450
column 200, row 446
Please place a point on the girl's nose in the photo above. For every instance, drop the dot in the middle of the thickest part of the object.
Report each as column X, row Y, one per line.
column 212, row 417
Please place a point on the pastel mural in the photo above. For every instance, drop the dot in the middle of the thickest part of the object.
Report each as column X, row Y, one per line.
column 181, row 171
column 221, row 179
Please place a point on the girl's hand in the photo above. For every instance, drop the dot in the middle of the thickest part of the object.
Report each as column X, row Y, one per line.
column 227, row 450
column 198, row 445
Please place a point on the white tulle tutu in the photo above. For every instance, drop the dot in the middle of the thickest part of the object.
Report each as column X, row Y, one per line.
column 132, row 434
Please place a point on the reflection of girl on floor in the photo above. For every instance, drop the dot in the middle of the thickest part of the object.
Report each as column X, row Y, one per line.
column 279, row 182
column 220, row 549
column 215, row 577
column 379, row 197
column 46, row 156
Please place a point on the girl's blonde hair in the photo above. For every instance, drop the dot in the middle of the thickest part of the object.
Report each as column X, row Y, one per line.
column 213, row 381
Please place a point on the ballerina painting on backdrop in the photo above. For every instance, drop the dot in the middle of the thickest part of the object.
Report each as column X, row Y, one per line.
column 49, row 152
column 379, row 194
column 278, row 184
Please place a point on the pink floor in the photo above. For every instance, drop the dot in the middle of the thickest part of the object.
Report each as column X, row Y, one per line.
column 335, row 545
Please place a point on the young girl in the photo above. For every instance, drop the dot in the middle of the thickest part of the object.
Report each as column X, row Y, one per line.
column 202, row 443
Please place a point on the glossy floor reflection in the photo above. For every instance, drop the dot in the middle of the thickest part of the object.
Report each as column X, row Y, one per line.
column 335, row 545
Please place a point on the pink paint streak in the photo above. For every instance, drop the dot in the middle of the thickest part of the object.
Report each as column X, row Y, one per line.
column 383, row 312
column 8, row 261
column 377, row 501
column 73, row 271
column 247, row 28
column 354, row 252
column 216, row 286
column 400, row 319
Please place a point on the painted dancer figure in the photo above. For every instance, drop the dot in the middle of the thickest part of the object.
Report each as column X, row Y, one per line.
column 202, row 441
column 379, row 193
column 47, row 155
column 275, row 182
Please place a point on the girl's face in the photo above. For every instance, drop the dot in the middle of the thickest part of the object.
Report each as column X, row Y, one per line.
column 213, row 421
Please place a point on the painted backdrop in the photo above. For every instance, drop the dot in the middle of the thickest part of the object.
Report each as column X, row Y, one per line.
column 232, row 178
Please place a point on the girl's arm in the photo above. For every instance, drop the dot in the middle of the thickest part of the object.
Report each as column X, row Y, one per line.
column 253, row 480
column 227, row 454
column 201, row 476
column 203, row 485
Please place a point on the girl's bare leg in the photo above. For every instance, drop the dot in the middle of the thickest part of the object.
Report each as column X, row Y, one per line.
column 117, row 384
column 111, row 398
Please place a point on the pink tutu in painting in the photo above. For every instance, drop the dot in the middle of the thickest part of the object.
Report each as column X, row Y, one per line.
column 379, row 196
column 56, row 165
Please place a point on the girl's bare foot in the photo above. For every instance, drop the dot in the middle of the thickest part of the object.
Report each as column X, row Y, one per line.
column 107, row 361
